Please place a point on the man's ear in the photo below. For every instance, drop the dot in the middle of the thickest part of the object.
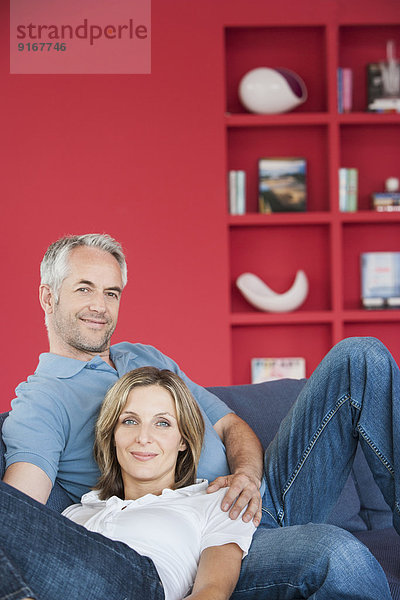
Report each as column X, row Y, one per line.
column 46, row 298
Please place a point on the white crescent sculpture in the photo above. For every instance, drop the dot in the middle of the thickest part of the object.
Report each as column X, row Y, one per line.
column 262, row 297
column 269, row 91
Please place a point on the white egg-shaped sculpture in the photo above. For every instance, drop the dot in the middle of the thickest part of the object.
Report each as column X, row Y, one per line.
column 271, row 91
column 258, row 294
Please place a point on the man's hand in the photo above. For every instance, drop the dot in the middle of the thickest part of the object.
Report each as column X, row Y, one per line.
column 242, row 489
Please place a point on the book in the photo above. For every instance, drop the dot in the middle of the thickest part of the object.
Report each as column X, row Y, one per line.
column 386, row 201
column 348, row 189
column 380, row 279
column 282, row 184
column 379, row 99
column 270, row 369
column 345, row 89
column 237, row 192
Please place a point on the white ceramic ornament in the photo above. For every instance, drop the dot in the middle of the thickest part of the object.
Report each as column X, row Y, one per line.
column 257, row 293
column 271, row 91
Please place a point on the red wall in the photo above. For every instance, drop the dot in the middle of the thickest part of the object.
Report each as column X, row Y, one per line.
column 141, row 157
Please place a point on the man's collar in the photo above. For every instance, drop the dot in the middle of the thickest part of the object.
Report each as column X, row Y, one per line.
column 64, row 367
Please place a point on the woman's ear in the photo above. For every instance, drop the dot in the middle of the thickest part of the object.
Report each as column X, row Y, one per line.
column 182, row 445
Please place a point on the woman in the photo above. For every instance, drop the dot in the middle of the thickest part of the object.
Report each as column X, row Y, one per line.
column 148, row 441
column 170, row 539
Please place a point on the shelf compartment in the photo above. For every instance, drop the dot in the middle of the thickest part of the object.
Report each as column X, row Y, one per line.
column 358, row 238
column 309, row 341
column 263, row 252
column 251, row 47
column 360, row 45
column 247, row 145
column 375, row 151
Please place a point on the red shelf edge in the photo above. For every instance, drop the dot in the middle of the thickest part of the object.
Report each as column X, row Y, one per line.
column 314, row 317
column 238, row 319
column 367, row 316
column 257, row 219
column 304, row 118
column 310, row 218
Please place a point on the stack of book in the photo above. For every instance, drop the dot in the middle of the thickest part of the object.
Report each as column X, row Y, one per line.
column 237, row 192
column 348, row 190
column 386, row 201
column 345, row 89
column 380, row 279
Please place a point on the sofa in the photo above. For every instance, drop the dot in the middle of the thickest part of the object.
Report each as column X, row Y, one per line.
column 360, row 509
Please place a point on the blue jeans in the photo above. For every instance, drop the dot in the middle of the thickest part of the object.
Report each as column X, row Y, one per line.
column 352, row 396
column 46, row 556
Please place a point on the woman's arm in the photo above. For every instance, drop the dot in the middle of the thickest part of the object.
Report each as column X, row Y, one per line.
column 218, row 572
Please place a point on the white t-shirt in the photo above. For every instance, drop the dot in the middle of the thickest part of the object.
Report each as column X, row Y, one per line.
column 172, row 529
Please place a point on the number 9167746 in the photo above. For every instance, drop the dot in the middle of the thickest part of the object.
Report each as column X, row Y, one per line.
column 42, row 47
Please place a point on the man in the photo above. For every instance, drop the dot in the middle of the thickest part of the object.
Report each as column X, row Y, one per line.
column 49, row 433
column 82, row 279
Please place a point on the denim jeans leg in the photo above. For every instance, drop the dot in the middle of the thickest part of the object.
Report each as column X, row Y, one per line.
column 57, row 558
column 12, row 586
column 314, row 561
column 354, row 393
column 353, row 396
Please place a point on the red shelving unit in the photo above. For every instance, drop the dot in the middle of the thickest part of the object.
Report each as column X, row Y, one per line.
column 324, row 242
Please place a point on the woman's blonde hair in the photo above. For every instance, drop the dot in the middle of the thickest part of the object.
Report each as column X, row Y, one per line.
column 189, row 418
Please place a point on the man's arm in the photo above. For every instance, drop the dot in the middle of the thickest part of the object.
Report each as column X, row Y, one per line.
column 245, row 458
column 30, row 480
column 218, row 572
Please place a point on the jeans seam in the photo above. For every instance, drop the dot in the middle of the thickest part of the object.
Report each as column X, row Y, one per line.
column 342, row 400
column 375, row 449
column 268, row 512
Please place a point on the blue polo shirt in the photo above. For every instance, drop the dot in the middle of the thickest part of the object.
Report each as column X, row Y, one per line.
column 51, row 424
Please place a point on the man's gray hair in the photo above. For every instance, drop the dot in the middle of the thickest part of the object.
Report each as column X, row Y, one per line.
column 54, row 266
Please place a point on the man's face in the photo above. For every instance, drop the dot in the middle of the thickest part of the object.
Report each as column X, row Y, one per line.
column 85, row 316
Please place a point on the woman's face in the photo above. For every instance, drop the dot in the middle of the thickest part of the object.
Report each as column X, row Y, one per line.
column 147, row 441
